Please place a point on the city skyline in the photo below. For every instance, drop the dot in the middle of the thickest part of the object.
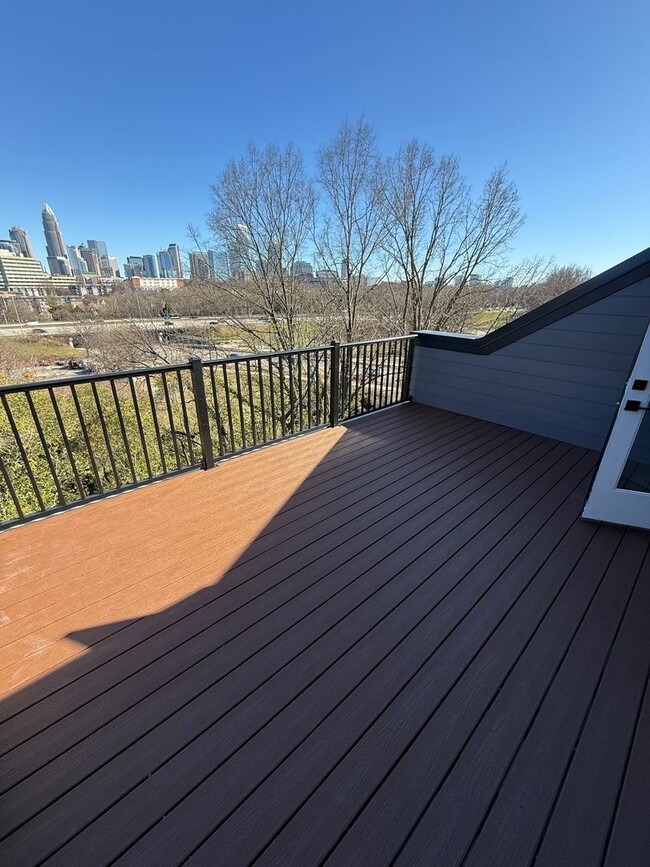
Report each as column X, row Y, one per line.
column 91, row 256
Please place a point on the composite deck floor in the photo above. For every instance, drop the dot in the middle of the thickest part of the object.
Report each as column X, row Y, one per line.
column 394, row 642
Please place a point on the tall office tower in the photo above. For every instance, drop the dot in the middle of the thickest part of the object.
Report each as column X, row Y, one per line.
column 21, row 238
column 303, row 270
column 77, row 262
column 218, row 262
column 91, row 259
column 199, row 265
column 100, row 246
column 133, row 269
column 239, row 252
column 115, row 265
column 177, row 263
column 57, row 258
column 164, row 263
column 150, row 266
column 106, row 266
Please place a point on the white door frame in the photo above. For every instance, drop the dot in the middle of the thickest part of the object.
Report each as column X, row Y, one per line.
column 607, row 502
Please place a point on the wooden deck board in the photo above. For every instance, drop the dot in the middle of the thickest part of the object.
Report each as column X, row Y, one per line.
column 357, row 645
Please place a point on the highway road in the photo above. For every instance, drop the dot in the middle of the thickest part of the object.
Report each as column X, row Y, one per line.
column 71, row 328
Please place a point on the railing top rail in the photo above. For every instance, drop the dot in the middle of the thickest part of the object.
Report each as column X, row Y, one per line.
column 255, row 355
column 15, row 387
column 379, row 340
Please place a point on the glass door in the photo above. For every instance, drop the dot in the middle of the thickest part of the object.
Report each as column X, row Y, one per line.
column 621, row 490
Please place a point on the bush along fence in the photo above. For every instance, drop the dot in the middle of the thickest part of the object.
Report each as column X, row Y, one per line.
column 69, row 441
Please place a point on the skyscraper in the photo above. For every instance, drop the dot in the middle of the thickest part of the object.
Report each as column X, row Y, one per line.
column 164, row 263
column 150, row 266
column 106, row 266
column 177, row 264
column 77, row 262
column 134, row 266
column 57, row 258
column 218, row 261
column 99, row 246
column 21, row 238
column 199, row 265
column 91, row 259
column 239, row 252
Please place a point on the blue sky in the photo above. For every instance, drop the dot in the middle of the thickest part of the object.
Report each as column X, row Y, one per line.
column 121, row 114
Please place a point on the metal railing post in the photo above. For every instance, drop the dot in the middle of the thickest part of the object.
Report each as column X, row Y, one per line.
column 198, row 387
column 334, row 383
column 406, row 381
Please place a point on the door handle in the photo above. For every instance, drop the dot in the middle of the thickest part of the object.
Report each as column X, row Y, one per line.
column 635, row 406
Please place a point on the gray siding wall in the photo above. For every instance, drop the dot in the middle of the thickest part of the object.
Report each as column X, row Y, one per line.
column 562, row 381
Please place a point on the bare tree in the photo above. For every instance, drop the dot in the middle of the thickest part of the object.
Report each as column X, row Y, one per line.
column 353, row 224
column 263, row 207
column 440, row 235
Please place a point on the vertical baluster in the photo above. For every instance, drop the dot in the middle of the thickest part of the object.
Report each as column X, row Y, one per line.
column 23, row 453
column 317, row 389
column 10, row 488
column 300, row 393
column 283, row 416
column 156, row 426
column 335, row 369
column 347, row 391
column 369, row 377
column 393, row 366
column 45, row 447
column 260, row 382
column 292, row 395
column 186, row 421
column 357, row 350
column 66, row 442
column 84, row 431
column 251, row 401
column 309, row 388
column 240, row 404
column 326, row 379
column 376, row 375
column 400, row 363
column 138, row 418
column 231, row 428
column 170, row 414
column 364, row 377
column 382, row 386
column 107, row 439
column 274, row 426
column 120, row 418
column 217, row 411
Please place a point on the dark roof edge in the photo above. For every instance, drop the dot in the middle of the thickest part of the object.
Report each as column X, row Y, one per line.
column 596, row 288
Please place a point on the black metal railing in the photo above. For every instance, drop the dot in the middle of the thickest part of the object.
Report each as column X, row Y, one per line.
column 68, row 441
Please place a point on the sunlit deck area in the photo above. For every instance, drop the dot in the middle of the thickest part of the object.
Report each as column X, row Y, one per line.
column 392, row 641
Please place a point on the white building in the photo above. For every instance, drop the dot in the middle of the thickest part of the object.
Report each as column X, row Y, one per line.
column 22, row 275
column 156, row 283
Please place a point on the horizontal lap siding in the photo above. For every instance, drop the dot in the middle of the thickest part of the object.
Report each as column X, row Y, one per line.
column 561, row 381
